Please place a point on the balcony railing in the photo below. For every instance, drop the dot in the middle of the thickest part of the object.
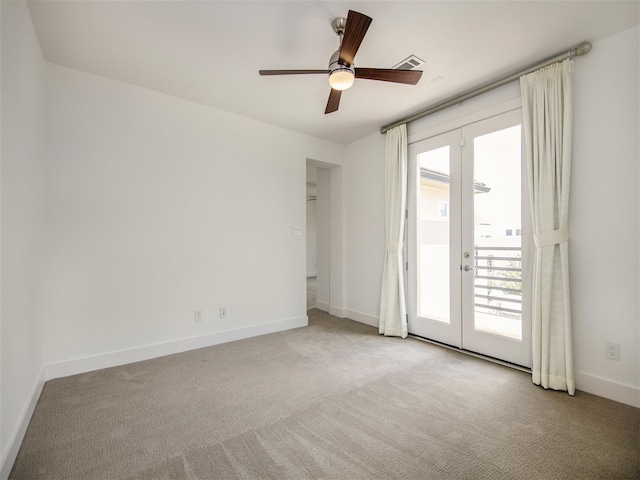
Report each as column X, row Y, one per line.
column 498, row 281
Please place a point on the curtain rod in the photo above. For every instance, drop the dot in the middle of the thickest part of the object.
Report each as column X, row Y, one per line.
column 579, row 51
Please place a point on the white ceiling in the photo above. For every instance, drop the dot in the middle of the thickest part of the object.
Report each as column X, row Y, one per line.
column 210, row 51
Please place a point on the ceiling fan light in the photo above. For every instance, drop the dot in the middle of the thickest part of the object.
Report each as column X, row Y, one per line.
column 341, row 79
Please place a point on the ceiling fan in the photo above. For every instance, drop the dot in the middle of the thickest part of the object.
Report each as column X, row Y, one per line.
column 342, row 71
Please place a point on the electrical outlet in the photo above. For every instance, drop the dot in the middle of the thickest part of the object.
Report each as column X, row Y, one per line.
column 223, row 312
column 612, row 350
column 198, row 316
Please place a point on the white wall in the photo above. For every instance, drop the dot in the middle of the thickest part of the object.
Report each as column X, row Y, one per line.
column 323, row 218
column 22, row 220
column 153, row 202
column 604, row 215
column 312, row 221
column 312, row 256
column 338, row 245
column 364, row 175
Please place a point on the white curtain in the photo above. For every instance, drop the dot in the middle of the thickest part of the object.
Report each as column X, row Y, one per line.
column 547, row 107
column 393, row 311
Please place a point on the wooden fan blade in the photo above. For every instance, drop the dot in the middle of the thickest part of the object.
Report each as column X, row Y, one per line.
column 334, row 101
column 410, row 77
column 354, row 31
column 290, row 72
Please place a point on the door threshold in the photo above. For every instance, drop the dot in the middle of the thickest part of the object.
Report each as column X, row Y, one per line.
column 473, row 354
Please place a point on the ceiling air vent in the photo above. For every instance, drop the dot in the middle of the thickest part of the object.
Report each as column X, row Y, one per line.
column 409, row 63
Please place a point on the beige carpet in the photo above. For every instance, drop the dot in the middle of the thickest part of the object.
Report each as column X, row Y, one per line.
column 331, row 401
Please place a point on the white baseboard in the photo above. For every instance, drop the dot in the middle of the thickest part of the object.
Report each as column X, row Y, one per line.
column 147, row 352
column 15, row 441
column 331, row 310
column 322, row 306
column 363, row 318
column 602, row 387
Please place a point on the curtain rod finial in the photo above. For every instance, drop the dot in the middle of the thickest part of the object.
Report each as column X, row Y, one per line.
column 580, row 50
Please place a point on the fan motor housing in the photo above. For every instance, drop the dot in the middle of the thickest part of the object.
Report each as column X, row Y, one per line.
column 334, row 63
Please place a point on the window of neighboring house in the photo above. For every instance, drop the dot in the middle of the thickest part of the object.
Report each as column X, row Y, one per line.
column 442, row 206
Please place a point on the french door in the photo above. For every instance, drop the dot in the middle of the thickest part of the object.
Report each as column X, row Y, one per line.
column 469, row 239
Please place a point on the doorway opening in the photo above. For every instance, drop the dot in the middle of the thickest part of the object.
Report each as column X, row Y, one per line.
column 325, row 179
column 468, row 216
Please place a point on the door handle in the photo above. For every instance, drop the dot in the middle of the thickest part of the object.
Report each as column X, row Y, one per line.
column 467, row 268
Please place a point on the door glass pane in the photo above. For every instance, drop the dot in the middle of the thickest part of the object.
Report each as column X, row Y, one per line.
column 497, row 233
column 433, row 234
